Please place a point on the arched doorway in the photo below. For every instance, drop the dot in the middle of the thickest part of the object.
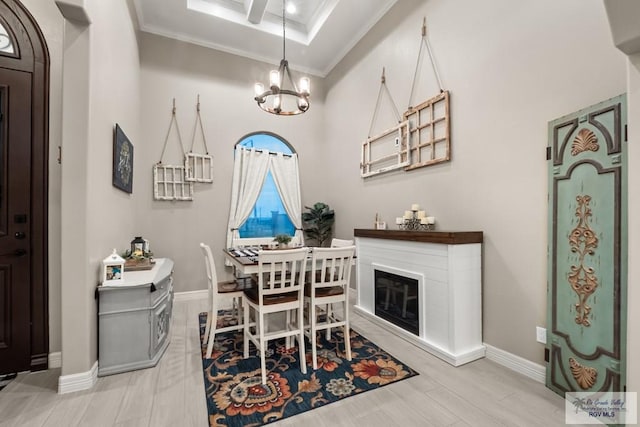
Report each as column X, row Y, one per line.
column 24, row 111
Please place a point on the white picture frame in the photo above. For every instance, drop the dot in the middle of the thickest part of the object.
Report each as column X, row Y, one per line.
column 386, row 152
column 198, row 167
column 113, row 270
column 169, row 183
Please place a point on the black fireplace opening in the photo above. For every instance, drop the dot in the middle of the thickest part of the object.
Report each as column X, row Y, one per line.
column 397, row 300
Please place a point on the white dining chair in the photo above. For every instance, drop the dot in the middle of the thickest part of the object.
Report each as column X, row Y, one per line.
column 278, row 288
column 338, row 243
column 216, row 289
column 328, row 284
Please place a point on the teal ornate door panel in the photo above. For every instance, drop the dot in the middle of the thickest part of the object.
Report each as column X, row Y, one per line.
column 587, row 267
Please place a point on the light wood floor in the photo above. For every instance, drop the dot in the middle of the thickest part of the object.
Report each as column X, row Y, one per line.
column 480, row 393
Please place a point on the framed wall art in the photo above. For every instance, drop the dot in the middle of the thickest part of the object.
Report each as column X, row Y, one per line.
column 122, row 161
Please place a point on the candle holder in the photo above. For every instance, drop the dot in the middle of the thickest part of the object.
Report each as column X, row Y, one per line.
column 414, row 224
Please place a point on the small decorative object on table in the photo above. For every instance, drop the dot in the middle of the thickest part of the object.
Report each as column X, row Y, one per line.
column 416, row 220
column 140, row 247
column 282, row 240
column 378, row 224
column 112, row 269
column 139, row 257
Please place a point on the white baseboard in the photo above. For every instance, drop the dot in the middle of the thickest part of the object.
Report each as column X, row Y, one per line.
column 191, row 295
column 55, row 360
column 516, row 363
column 78, row 382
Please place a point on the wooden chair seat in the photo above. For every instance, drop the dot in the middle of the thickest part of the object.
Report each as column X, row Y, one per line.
column 231, row 286
column 323, row 292
column 252, row 294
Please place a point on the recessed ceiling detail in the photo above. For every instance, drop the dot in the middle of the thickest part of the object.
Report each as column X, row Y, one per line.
column 319, row 34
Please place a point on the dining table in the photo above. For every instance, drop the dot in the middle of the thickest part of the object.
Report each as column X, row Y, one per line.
column 245, row 260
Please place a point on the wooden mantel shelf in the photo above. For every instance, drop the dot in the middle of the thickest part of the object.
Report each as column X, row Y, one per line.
column 444, row 237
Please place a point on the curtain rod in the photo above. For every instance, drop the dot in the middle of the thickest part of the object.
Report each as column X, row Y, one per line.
column 264, row 150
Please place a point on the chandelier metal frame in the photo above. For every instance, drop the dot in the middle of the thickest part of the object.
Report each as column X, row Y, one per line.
column 271, row 100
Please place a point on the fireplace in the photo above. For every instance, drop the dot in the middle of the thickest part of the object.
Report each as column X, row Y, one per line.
column 425, row 287
column 396, row 300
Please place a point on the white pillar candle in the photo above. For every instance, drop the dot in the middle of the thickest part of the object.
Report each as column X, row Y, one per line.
column 408, row 214
column 399, row 220
column 424, row 220
column 431, row 220
column 422, row 214
column 415, row 207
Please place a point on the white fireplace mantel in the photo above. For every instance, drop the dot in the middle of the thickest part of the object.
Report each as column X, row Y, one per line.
column 448, row 267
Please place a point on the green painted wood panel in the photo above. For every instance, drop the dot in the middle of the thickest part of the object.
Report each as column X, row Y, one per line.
column 587, row 237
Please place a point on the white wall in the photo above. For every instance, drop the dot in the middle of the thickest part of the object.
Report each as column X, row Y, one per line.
column 173, row 69
column 101, row 88
column 623, row 19
column 511, row 68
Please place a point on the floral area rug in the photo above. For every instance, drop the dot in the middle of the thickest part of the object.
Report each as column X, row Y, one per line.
column 236, row 396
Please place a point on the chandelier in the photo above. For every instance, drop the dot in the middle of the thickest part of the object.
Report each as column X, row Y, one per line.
column 279, row 100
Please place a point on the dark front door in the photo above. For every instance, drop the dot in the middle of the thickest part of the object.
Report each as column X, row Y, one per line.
column 24, row 92
column 15, row 249
column 587, row 250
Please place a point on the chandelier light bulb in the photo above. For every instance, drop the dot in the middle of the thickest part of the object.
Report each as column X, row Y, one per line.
column 259, row 89
column 305, row 85
column 274, row 79
column 276, row 103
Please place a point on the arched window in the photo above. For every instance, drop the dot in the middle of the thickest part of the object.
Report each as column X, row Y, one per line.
column 6, row 44
column 266, row 191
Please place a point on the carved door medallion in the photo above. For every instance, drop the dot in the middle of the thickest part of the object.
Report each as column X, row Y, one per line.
column 587, row 265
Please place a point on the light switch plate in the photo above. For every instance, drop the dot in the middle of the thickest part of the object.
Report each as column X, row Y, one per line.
column 541, row 335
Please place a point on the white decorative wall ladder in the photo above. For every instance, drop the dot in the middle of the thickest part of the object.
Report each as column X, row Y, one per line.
column 388, row 150
column 199, row 167
column 170, row 181
column 421, row 137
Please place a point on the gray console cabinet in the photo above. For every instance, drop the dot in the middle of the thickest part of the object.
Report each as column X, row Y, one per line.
column 134, row 319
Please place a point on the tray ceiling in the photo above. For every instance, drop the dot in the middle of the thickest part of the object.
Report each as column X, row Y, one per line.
column 319, row 34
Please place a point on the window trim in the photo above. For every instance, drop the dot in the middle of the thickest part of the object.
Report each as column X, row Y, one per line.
column 271, row 134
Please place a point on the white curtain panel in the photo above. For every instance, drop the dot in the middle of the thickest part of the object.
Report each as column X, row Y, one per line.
column 249, row 171
column 285, row 174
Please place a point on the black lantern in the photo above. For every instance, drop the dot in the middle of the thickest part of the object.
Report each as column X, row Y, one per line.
column 138, row 246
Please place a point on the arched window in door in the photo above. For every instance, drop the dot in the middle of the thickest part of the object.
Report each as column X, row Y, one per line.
column 6, row 42
column 266, row 191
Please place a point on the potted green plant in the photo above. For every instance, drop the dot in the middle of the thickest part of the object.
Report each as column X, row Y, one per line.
column 282, row 240
column 318, row 223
